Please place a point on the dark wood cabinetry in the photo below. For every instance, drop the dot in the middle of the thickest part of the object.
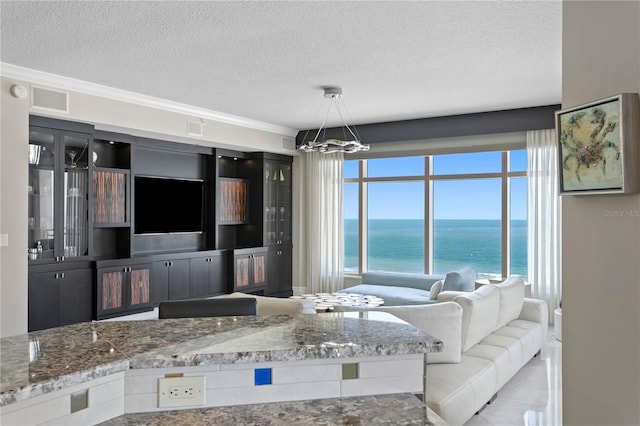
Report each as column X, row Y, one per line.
column 209, row 275
column 111, row 195
column 60, row 297
column 249, row 270
column 123, row 287
column 76, row 296
column 279, row 271
column 85, row 185
column 172, row 274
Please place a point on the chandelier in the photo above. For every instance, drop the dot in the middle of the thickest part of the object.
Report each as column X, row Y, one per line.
column 329, row 145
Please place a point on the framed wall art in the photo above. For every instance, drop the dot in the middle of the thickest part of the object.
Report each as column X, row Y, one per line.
column 598, row 146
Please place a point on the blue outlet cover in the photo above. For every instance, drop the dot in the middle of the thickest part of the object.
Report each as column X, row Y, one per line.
column 262, row 376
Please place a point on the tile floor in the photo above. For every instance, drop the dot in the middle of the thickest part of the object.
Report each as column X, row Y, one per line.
column 533, row 397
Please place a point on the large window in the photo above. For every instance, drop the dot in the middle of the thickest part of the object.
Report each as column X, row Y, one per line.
column 395, row 226
column 437, row 213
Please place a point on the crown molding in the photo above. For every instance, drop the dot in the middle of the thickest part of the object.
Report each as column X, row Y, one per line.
column 72, row 84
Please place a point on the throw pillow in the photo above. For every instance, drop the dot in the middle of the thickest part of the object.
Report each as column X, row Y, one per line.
column 435, row 290
column 462, row 280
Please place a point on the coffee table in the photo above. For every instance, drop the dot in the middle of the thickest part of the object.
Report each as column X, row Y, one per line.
column 328, row 302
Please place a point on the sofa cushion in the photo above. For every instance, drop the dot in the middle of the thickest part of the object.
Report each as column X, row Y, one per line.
column 456, row 391
column 462, row 280
column 392, row 296
column 480, row 314
column 511, row 300
column 510, row 343
column 441, row 320
column 528, row 337
column 506, row 367
column 280, row 306
column 436, row 288
column 398, row 279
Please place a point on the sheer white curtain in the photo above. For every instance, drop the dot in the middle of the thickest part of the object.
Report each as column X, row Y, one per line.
column 544, row 217
column 325, row 222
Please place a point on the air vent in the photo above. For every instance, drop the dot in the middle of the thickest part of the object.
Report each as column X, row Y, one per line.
column 194, row 128
column 288, row 144
column 49, row 99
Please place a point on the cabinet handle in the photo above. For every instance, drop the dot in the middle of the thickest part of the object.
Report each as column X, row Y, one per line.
column 56, row 276
column 62, row 275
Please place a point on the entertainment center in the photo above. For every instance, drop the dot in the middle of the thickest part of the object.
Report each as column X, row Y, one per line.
column 119, row 223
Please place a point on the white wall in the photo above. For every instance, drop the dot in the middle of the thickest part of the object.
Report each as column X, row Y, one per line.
column 105, row 114
column 601, row 253
column 14, row 158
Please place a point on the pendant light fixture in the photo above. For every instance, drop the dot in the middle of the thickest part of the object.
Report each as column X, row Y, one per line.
column 349, row 144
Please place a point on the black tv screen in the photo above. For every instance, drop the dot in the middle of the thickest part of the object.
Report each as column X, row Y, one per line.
column 168, row 205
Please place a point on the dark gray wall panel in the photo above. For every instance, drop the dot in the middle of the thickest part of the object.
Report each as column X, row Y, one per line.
column 515, row 120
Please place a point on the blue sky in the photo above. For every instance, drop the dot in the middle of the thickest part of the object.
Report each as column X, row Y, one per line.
column 468, row 199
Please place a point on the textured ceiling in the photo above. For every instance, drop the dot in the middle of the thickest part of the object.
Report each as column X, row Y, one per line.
column 267, row 61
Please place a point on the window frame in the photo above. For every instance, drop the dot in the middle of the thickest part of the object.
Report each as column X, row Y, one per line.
column 505, row 175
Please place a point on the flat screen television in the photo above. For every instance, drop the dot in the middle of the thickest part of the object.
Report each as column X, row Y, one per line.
column 167, row 205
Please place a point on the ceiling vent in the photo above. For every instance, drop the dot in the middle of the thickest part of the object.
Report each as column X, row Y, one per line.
column 194, row 128
column 52, row 100
column 288, row 144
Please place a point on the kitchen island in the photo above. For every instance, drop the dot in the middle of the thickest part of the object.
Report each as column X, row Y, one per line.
column 93, row 372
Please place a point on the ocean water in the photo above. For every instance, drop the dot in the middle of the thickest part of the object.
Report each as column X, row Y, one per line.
column 398, row 246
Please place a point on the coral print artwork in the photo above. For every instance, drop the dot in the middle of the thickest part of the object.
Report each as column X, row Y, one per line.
column 590, row 147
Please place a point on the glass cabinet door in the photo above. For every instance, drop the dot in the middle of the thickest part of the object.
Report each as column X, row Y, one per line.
column 277, row 202
column 58, row 194
column 271, row 177
column 75, row 194
column 284, row 204
column 42, row 181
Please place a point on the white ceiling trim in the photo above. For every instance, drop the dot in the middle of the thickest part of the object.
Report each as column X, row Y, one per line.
column 72, row 84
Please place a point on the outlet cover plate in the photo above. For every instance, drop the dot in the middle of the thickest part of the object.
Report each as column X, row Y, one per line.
column 181, row 391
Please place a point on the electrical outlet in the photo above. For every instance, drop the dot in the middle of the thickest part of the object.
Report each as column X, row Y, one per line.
column 181, row 391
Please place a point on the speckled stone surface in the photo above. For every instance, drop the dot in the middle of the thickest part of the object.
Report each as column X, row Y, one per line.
column 396, row 409
column 45, row 361
column 49, row 360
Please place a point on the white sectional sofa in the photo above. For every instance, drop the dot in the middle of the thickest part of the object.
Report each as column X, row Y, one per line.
column 488, row 334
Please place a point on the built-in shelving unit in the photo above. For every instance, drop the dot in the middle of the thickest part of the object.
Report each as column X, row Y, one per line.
column 136, row 221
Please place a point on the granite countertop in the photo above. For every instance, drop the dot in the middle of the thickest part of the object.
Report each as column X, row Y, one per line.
column 45, row 361
column 394, row 409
